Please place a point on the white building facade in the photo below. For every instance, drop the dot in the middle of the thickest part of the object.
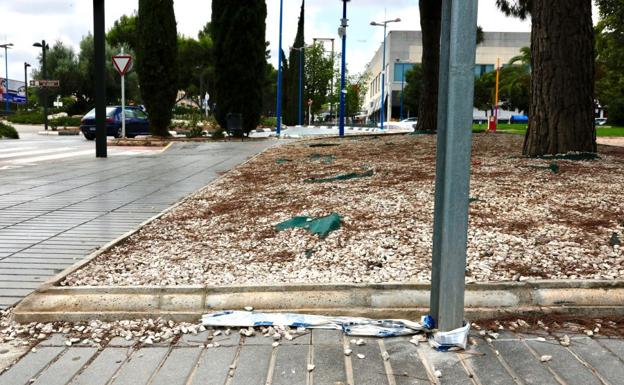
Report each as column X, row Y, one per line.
column 404, row 49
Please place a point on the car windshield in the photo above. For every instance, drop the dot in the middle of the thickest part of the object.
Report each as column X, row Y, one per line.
column 110, row 111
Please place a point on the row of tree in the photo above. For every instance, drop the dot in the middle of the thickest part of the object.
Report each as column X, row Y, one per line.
column 230, row 63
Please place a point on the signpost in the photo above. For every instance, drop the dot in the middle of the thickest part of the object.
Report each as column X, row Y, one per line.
column 123, row 64
column 45, row 83
column 310, row 102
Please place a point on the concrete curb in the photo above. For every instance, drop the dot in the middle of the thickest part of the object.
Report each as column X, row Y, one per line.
column 188, row 303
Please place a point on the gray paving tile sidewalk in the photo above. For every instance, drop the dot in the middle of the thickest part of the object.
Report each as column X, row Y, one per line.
column 253, row 361
column 53, row 215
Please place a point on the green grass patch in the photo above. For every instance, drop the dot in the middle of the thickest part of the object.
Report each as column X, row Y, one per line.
column 521, row 129
column 8, row 131
column 610, row 131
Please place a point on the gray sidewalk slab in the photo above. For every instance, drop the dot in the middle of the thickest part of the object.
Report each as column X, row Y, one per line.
column 250, row 362
column 54, row 215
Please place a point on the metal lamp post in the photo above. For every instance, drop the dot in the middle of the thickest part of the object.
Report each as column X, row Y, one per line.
column 383, row 24
column 26, row 65
column 331, row 104
column 278, row 129
column 44, row 47
column 342, row 32
column 6, row 67
column 402, row 85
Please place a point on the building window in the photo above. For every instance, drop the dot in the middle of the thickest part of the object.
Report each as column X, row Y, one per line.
column 482, row 69
column 400, row 70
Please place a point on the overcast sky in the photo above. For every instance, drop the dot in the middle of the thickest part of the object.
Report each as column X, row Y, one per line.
column 26, row 21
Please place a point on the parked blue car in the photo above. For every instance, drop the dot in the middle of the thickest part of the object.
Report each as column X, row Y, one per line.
column 137, row 123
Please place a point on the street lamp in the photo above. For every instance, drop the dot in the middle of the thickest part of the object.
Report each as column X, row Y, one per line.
column 383, row 24
column 6, row 80
column 44, row 47
column 331, row 104
column 301, row 50
column 402, row 85
column 342, row 32
column 278, row 129
column 26, row 65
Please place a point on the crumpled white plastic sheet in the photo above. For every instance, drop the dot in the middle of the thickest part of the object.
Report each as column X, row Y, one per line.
column 457, row 338
column 353, row 326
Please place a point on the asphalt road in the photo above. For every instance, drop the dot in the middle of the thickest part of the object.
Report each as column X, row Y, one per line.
column 34, row 149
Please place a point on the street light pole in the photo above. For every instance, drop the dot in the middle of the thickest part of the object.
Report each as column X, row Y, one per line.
column 331, row 103
column 402, row 85
column 383, row 24
column 343, row 34
column 44, row 47
column 6, row 80
column 26, row 65
column 278, row 129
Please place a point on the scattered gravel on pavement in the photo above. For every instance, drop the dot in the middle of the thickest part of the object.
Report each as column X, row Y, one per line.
column 529, row 220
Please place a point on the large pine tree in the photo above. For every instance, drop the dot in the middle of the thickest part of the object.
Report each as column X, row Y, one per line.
column 238, row 31
column 561, row 113
column 291, row 110
column 157, row 58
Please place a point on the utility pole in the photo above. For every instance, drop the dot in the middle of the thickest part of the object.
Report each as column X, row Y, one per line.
column 26, row 65
column 100, row 79
column 384, row 24
column 278, row 129
column 333, row 55
column 342, row 31
column 6, row 80
column 44, row 48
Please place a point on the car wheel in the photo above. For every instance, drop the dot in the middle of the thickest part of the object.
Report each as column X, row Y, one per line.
column 89, row 137
column 131, row 136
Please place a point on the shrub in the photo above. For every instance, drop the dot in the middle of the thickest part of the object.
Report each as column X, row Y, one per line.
column 67, row 121
column 27, row 117
column 268, row 122
column 8, row 131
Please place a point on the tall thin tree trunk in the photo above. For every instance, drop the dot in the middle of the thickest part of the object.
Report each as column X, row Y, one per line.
column 561, row 114
column 430, row 21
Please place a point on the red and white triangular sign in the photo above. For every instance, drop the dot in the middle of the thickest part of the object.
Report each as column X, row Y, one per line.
column 122, row 63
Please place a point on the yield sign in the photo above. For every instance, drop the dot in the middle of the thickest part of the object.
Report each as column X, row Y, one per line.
column 122, row 63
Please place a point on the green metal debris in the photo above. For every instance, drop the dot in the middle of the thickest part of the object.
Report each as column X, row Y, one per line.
column 323, row 145
column 326, row 159
column 321, row 226
column 283, row 161
column 342, row 177
column 554, row 167
column 572, row 156
column 615, row 240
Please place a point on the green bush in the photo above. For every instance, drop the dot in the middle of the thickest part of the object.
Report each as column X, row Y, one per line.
column 27, row 117
column 8, row 131
column 268, row 122
column 67, row 121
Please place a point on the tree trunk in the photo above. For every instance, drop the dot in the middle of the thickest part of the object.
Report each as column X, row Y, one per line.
column 430, row 21
column 561, row 114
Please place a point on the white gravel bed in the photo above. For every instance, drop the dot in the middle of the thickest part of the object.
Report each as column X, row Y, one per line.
column 527, row 222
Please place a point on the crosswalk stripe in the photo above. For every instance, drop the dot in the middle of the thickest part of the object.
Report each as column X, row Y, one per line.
column 13, row 149
column 36, row 152
column 53, row 157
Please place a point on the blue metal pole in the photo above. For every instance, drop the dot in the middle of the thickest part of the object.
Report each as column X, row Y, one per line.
column 278, row 129
column 6, row 90
column 402, row 87
column 341, row 129
column 301, row 86
column 383, row 80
